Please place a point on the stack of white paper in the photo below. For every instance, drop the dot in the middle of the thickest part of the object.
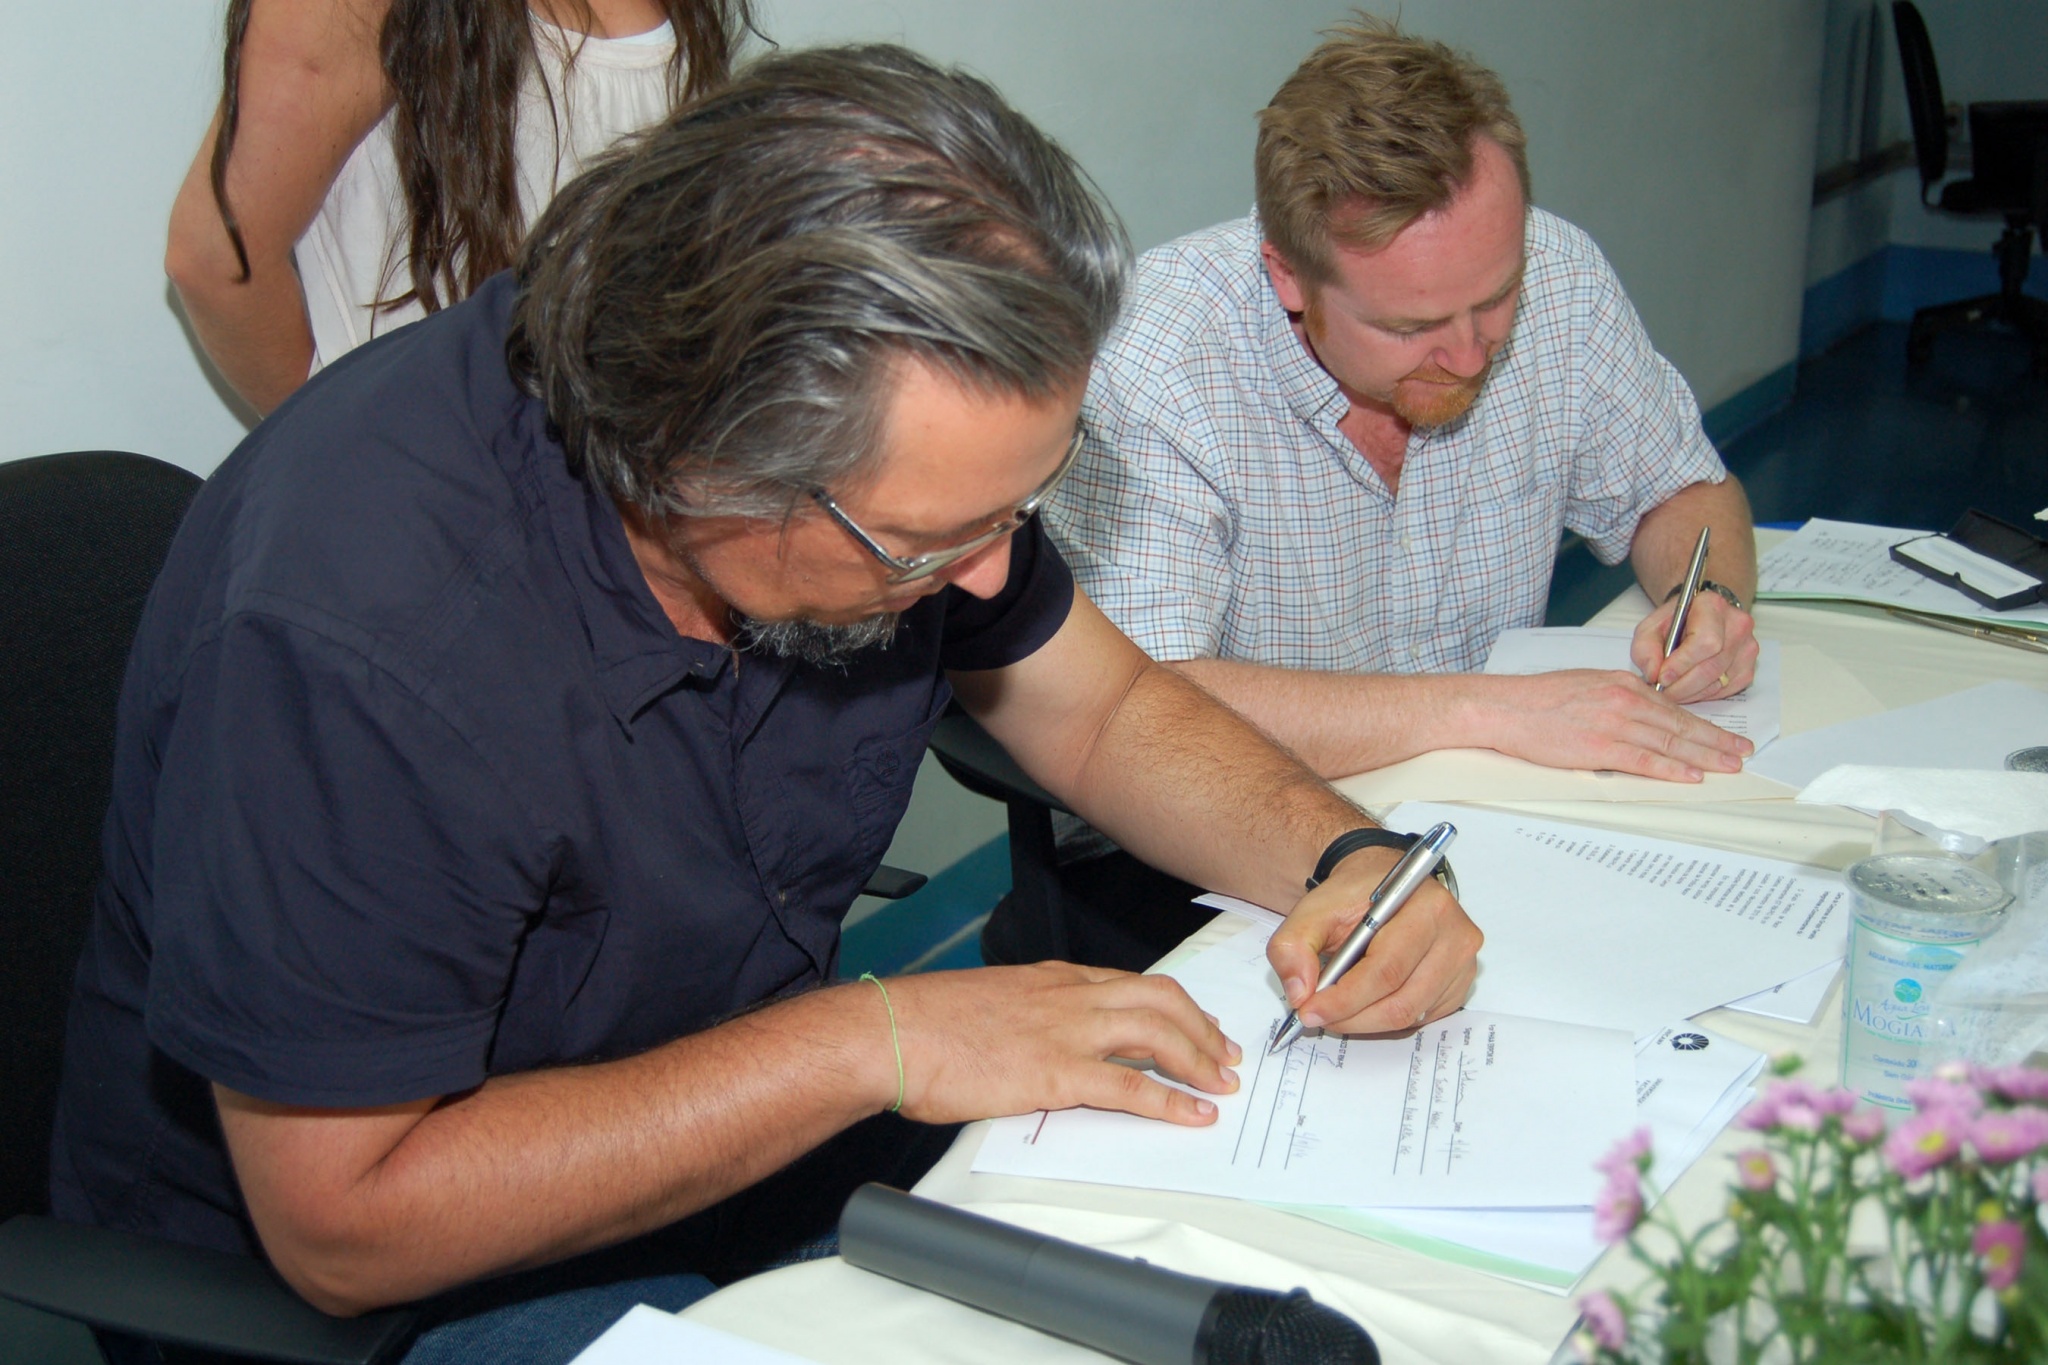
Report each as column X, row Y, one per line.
column 1474, row 1138
column 1753, row 713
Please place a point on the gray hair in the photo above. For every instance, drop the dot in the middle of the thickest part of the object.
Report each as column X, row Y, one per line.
column 711, row 312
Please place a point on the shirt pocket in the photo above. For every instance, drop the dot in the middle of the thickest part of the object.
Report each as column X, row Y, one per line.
column 1499, row 575
column 879, row 776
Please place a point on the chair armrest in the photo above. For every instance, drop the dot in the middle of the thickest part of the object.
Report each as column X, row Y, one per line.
column 983, row 766
column 893, row 883
column 183, row 1295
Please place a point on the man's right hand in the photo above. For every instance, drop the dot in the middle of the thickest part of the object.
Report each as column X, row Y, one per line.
column 1009, row 1040
column 1592, row 719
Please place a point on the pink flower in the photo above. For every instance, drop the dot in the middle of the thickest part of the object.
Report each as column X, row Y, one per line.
column 1941, row 1092
column 1924, row 1141
column 1605, row 1320
column 1863, row 1126
column 2015, row 1083
column 2000, row 1137
column 1799, row 1117
column 1836, row 1102
column 1618, row 1207
column 1760, row 1117
column 1755, row 1169
column 2000, row 1247
column 1631, row 1154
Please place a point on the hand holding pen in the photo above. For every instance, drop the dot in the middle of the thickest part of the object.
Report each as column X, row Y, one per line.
column 1701, row 645
column 1407, row 876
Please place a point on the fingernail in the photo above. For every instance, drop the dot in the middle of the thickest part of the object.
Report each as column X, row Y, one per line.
column 1297, row 990
column 1310, row 1019
column 1694, row 775
column 1204, row 1108
column 1236, row 1052
column 1229, row 1078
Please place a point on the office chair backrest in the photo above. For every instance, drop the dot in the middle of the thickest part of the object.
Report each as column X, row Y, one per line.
column 1923, row 93
column 81, row 539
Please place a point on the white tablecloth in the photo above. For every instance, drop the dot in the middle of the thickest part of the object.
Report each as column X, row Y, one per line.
column 1418, row 1309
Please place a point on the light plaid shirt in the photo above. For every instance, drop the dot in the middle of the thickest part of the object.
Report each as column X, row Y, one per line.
column 1217, row 512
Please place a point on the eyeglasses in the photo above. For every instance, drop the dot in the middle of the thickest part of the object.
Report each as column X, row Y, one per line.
column 916, row 567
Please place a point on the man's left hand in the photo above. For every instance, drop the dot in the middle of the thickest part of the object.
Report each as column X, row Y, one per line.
column 1420, row 966
column 1715, row 658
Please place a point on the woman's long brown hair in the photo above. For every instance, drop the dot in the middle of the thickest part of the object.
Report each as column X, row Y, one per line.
column 455, row 68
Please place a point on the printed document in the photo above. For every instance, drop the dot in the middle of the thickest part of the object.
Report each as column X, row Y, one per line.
column 1477, row 1110
column 1752, row 713
column 1690, row 1083
column 1844, row 561
column 1625, row 931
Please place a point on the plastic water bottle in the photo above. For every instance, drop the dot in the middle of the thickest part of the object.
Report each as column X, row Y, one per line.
column 1913, row 918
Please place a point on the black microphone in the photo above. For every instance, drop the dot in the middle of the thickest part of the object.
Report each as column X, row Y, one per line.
column 1124, row 1308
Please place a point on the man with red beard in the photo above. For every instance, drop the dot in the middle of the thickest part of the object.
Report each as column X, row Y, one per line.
column 1332, row 447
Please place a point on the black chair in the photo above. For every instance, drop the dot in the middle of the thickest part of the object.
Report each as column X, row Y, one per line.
column 977, row 762
column 2009, row 177
column 81, row 539
column 1107, row 911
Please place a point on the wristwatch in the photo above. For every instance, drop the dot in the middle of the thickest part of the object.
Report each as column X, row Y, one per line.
column 1709, row 585
column 1348, row 843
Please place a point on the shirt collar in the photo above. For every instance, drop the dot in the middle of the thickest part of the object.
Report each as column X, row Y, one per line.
column 635, row 649
column 1306, row 386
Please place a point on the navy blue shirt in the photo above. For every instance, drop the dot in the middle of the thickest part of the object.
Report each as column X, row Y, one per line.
column 415, row 784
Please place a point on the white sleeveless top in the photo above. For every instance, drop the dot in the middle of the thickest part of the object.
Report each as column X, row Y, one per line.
column 355, row 251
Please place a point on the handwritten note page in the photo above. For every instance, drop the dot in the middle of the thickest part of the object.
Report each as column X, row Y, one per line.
column 1847, row 561
column 1625, row 931
column 1475, row 1111
column 1753, row 713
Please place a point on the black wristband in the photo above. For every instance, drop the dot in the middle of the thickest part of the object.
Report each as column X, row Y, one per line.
column 1348, row 843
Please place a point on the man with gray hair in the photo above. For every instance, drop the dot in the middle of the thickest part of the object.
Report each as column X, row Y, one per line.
column 1331, row 449
column 523, row 704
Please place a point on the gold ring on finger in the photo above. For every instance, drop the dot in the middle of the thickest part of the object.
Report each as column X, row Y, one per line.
column 1724, row 680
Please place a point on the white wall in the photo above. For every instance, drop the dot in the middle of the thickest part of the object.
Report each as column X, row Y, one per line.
column 1679, row 134
column 1984, row 50
column 99, row 116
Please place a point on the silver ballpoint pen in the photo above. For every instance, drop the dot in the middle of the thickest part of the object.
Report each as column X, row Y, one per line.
column 1417, row 866
column 1685, row 596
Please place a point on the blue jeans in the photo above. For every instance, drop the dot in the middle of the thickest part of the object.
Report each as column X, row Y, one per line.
column 553, row 1328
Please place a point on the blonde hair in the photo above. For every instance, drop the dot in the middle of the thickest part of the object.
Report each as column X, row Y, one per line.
column 1373, row 131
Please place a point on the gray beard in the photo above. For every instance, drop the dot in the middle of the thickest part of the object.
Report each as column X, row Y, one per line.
column 813, row 643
